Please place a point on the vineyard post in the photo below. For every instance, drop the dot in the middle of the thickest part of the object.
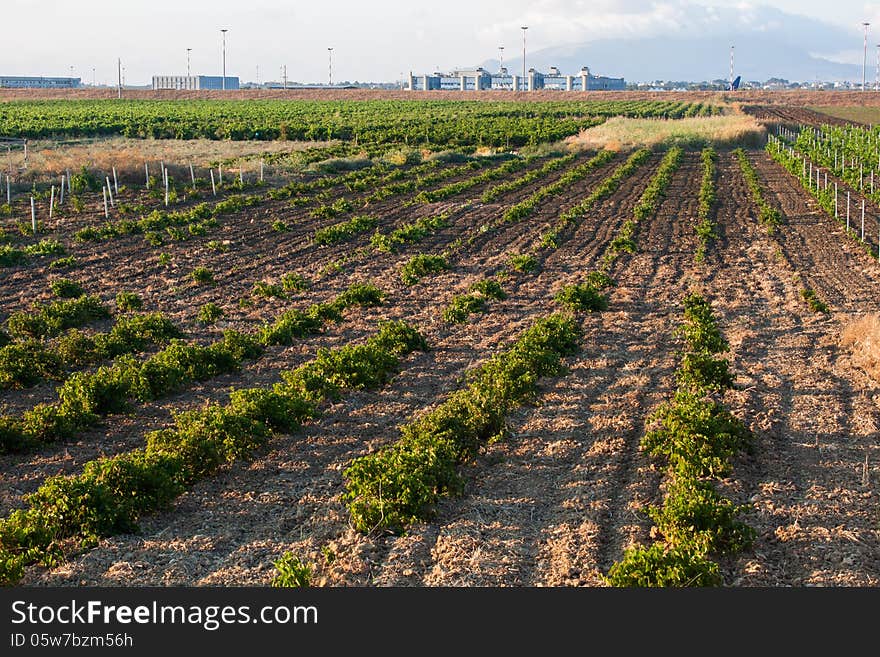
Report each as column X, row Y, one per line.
column 162, row 169
column 863, row 220
column 166, row 190
column 861, row 176
column 147, row 173
column 192, row 174
column 836, row 214
column 109, row 191
column 220, row 174
column 106, row 210
column 115, row 182
column 68, row 181
column 213, row 186
column 261, row 169
column 61, row 201
column 847, row 210
column 33, row 215
column 826, row 181
column 240, row 172
column 8, row 191
column 51, row 201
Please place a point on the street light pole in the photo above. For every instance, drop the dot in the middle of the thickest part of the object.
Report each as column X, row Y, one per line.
column 524, row 28
column 501, row 57
column 223, row 82
column 865, row 56
column 188, row 51
column 330, row 56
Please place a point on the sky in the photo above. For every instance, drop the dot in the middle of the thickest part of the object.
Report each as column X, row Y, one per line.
column 379, row 40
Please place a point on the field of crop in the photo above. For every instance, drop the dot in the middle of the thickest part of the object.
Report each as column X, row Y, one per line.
column 438, row 344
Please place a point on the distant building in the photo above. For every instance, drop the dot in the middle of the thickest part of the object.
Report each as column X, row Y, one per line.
column 480, row 79
column 193, row 82
column 17, row 82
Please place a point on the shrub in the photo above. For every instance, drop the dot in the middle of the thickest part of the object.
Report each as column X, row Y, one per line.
column 583, row 297
column 203, row 275
column 51, row 319
column 490, row 289
column 210, row 313
column 291, row 572
column 265, row 289
column 814, row 302
column 523, row 262
column 66, row 288
column 660, row 566
column 695, row 516
column 128, row 301
column 462, row 306
column 345, row 230
column 422, row 265
column 293, row 282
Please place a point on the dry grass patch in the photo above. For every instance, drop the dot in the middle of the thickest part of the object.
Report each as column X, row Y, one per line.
column 695, row 132
column 862, row 337
column 47, row 158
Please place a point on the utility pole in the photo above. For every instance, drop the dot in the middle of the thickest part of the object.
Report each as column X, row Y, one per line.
column 501, row 57
column 119, row 78
column 188, row 51
column 330, row 54
column 865, row 55
column 223, row 82
column 524, row 28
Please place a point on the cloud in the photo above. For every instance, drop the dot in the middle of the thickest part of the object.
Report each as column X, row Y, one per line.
column 555, row 22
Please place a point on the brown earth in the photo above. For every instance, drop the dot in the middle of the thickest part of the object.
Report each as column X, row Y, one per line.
column 557, row 501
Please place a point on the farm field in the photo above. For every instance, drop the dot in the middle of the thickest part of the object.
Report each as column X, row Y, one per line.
column 385, row 357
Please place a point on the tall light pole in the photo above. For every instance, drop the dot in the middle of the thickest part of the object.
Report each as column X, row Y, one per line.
column 730, row 85
column 865, row 56
column 524, row 28
column 223, row 82
column 501, row 57
column 330, row 56
column 188, row 51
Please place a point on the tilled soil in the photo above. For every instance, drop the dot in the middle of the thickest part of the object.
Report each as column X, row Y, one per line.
column 557, row 501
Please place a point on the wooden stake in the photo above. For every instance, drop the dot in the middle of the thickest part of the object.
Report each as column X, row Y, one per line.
column 192, row 174
column 106, row 209
column 61, row 202
column 52, row 202
column 33, row 215
column 213, row 186
column 115, row 182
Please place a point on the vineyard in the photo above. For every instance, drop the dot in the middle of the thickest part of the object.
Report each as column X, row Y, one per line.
column 438, row 344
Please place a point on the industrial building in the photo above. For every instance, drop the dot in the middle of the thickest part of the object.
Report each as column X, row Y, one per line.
column 20, row 82
column 480, row 79
column 194, row 82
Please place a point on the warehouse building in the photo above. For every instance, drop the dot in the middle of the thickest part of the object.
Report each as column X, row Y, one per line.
column 193, row 82
column 20, row 82
column 480, row 79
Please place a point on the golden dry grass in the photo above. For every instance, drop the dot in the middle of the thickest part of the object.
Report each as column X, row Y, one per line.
column 725, row 131
column 862, row 337
column 51, row 159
